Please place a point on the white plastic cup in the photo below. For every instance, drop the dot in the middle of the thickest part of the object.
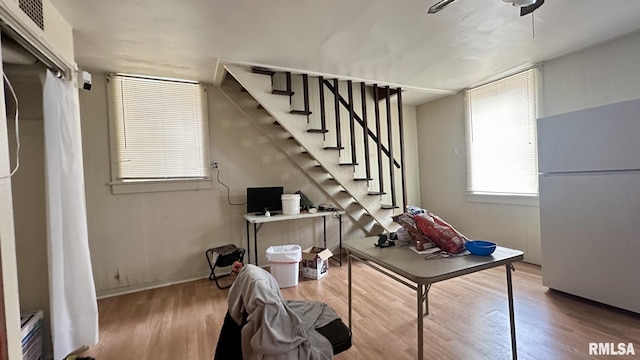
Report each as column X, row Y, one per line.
column 290, row 204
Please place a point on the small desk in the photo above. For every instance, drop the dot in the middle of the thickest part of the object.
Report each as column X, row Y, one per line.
column 400, row 260
column 259, row 220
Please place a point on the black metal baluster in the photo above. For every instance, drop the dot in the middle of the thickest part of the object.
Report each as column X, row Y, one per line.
column 376, row 109
column 337, row 109
column 352, row 125
column 365, row 125
column 402, row 157
column 392, row 182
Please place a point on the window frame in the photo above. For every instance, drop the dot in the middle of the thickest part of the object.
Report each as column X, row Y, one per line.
column 119, row 186
column 496, row 197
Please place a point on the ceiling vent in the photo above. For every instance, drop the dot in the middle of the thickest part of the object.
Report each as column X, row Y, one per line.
column 33, row 9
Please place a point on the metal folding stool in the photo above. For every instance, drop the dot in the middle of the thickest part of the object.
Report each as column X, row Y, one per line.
column 223, row 256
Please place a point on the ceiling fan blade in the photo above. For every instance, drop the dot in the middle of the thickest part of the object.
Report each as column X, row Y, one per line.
column 529, row 9
column 439, row 6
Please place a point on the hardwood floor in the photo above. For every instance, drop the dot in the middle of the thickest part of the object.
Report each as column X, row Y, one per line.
column 468, row 319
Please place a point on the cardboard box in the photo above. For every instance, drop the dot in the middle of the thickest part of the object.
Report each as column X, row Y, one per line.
column 315, row 262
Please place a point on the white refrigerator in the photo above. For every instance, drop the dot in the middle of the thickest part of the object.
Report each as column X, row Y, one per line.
column 589, row 164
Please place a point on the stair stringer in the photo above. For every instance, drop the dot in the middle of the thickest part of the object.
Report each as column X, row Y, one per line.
column 259, row 87
column 280, row 139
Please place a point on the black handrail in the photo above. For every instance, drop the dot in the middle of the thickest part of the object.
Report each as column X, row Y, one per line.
column 387, row 92
column 357, row 118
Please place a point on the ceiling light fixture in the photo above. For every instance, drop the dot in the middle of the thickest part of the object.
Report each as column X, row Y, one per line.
column 439, row 6
column 521, row 3
column 526, row 6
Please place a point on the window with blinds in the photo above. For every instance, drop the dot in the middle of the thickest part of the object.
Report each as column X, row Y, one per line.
column 501, row 136
column 160, row 128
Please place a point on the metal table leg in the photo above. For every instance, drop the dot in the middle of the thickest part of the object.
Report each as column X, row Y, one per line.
column 248, row 243
column 349, row 282
column 426, row 299
column 340, row 235
column 255, row 243
column 512, row 319
column 324, row 232
column 420, row 298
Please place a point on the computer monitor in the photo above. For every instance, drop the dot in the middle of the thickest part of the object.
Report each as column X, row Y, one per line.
column 260, row 199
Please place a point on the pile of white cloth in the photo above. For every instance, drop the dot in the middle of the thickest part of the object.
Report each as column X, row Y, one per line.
column 277, row 329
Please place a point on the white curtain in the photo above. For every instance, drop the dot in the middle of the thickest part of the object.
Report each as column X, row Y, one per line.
column 73, row 305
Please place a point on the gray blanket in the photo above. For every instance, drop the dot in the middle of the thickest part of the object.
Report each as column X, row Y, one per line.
column 277, row 329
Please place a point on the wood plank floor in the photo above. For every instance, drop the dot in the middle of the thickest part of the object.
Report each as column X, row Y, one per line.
column 468, row 319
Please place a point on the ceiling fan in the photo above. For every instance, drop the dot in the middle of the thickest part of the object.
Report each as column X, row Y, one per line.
column 526, row 6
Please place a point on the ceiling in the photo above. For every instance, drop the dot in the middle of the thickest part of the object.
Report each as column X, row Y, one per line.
column 386, row 41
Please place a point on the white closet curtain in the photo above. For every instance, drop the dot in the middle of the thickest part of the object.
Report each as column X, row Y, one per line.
column 72, row 296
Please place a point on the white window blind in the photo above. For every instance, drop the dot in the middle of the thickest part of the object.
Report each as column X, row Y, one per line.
column 160, row 128
column 501, row 136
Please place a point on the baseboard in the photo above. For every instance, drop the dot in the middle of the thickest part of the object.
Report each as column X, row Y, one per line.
column 133, row 289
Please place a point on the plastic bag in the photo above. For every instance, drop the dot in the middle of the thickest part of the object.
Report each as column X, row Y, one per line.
column 284, row 254
column 445, row 236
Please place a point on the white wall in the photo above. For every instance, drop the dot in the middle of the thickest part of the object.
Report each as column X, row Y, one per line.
column 441, row 146
column 600, row 75
column 149, row 239
column 56, row 42
column 412, row 153
column 141, row 240
column 28, row 188
column 596, row 76
column 7, row 242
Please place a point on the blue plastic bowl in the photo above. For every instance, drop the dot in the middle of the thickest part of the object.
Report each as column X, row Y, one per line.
column 480, row 247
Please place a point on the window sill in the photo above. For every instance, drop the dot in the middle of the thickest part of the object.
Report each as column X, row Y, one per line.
column 132, row 187
column 522, row 200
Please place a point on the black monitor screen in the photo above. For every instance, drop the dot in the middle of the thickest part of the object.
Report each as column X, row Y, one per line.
column 260, row 199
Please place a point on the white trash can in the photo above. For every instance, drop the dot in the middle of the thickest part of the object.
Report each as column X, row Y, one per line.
column 290, row 204
column 283, row 261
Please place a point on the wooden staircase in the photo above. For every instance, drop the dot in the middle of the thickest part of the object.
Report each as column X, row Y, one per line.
column 325, row 128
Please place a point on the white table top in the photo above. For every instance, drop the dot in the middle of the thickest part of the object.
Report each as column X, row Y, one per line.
column 257, row 219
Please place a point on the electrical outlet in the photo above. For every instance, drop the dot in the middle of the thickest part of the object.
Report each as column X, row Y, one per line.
column 215, row 165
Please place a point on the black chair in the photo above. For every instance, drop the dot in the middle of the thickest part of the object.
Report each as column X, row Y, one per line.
column 223, row 256
column 229, row 345
column 338, row 334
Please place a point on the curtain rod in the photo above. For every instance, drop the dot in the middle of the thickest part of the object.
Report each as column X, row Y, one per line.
column 57, row 70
